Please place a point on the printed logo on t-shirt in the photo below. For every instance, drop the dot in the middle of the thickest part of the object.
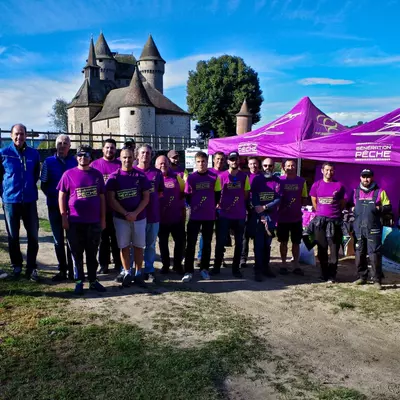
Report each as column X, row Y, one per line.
column 152, row 187
column 169, row 184
column 234, row 185
column 292, row 187
column 203, row 185
column 325, row 200
column 266, row 196
column 126, row 194
column 85, row 192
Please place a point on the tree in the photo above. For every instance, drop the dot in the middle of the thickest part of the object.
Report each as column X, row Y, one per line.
column 59, row 116
column 216, row 90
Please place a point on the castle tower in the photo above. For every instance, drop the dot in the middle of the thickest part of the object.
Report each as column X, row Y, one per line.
column 105, row 59
column 151, row 65
column 91, row 69
column 244, row 119
column 137, row 115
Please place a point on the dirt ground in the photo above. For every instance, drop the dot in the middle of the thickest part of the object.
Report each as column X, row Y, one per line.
column 320, row 331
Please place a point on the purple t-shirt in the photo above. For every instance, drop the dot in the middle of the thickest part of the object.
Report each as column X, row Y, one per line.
column 233, row 189
column 83, row 188
column 329, row 196
column 216, row 171
column 179, row 170
column 290, row 206
column 202, row 188
column 128, row 187
column 252, row 176
column 172, row 203
column 265, row 191
column 106, row 167
column 155, row 177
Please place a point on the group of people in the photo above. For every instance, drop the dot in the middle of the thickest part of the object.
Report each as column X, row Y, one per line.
column 119, row 206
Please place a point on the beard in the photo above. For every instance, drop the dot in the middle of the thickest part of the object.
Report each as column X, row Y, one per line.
column 268, row 174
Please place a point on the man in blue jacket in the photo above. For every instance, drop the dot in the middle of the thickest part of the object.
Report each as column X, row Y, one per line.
column 52, row 171
column 19, row 173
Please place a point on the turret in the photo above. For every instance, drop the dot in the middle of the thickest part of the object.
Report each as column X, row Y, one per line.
column 151, row 65
column 244, row 119
column 105, row 59
column 91, row 69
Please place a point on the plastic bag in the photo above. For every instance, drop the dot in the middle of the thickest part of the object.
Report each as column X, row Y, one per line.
column 306, row 256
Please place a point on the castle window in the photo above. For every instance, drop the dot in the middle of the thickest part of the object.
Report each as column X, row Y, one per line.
column 132, row 112
column 155, row 62
column 100, row 60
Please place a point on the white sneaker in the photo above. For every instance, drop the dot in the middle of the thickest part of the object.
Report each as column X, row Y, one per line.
column 204, row 274
column 187, row 277
column 3, row 274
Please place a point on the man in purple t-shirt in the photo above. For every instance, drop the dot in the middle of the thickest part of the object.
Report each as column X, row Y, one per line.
column 83, row 210
column 266, row 195
column 249, row 230
column 172, row 222
column 294, row 191
column 328, row 198
column 235, row 189
column 173, row 157
column 107, row 165
column 202, row 190
column 152, row 210
column 128, row 193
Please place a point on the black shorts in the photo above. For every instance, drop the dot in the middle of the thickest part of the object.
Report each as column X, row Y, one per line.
column 295, row 229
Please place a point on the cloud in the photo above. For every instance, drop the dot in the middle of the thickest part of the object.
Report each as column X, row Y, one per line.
column 29, row 100
column 2, row 49
column 366, row 57
column 337, row 36
column 123, row 45
column 324, row 81
column 17, row 57
column 352, row 117
column 233, row 5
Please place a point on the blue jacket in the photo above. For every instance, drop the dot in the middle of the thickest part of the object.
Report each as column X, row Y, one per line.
column 52, row 171
column 19, row 173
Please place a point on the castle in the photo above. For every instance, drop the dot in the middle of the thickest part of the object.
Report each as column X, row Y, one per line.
column 122, row 96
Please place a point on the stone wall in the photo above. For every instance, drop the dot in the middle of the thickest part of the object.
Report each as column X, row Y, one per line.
column 153, row 72
column 172, row 125
column 137, row 121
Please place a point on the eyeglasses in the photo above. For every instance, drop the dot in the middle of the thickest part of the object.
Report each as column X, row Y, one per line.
column 87, row 155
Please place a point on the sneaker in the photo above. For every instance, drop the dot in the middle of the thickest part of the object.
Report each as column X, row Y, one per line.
column 127, row 280
column 237, row 274
column 104, row 269
column 331, row 281
column 205, row 275
column 17, row 272
column 377, row 285
column 96, row 285
column 198, row 263
column 243, row 264
column 34, row 276
column 3, row 274
column 283, row 271
column 152, row 278
column 360, row 281
column 120, row 277
column 79, row 288
column 215, row 271
column 187, row 277
column 298, row 271
column 138, row 280
column 60, row 277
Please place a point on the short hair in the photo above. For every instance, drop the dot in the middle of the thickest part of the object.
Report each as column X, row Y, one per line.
column 147, row 146
column 288, row 159
column 327, row 164
column 110, row 140
column 22, row 125
column 253, row 158
column 126, row 148
column 219, row 153
column 201, row 154
column 61, row 137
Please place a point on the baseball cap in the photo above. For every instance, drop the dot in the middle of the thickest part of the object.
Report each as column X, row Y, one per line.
column 84, row 150
column 367, row 172
column 172, row 154
column 233, row 155
column 129, row 142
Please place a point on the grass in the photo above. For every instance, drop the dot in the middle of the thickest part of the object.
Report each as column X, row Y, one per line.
column 44, row 224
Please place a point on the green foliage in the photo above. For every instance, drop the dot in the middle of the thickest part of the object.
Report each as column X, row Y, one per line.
column 59, row 115
column 216, row 91
column 47, row 144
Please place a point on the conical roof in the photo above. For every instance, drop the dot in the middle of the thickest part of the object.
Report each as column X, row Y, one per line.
column 136, row 94
column 102, row 49
column 91, row 60
column 150, row 51
column 244, row 110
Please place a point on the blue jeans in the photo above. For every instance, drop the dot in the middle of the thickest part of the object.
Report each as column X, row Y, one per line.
column 150, row 250
column 262, row 247
column 64, row 259
column 13, row 213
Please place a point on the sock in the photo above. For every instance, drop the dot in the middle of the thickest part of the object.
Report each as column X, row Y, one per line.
column 127, row 271
column 138, row 272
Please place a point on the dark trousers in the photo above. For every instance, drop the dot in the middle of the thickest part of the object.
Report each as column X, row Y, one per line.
column 84, row 238
column 64, row 258
column 224, row 226
column 109, row 240
column 177, row 231
column 192, row 232
column 13, row 213
column 329, row 263
column 369, row 242
column 262, row 248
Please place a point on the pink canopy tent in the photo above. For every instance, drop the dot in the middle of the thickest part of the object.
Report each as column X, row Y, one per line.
column 304, row 121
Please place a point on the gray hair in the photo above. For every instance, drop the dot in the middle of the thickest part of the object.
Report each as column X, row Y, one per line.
column 61, row 137
column 21, row 125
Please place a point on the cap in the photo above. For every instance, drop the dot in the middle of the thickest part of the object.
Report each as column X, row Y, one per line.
column 129, row 142
column 233, row 155
column 84, row 150
column 172, row 154
column 367, row 172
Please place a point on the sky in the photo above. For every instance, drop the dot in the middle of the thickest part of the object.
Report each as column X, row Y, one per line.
column 344, row 55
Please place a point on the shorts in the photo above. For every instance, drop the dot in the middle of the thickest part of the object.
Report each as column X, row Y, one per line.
column 130, row 233
column 295, row 229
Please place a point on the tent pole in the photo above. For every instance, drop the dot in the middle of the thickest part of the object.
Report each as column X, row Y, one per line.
column 299, row 166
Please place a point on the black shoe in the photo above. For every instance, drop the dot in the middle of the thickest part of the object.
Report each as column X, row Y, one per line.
column 104, row 269
column 258, row 277
column 215, row 271
column 138, row 280
column 283, row 271
column 164, row 270
column 268, row 273
column 145, row 276
column 60, row 277
column 127, row 280
column 243, row 264
column 298, row 271
column 237, row 274
column 120, row 277
column 34, row 276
